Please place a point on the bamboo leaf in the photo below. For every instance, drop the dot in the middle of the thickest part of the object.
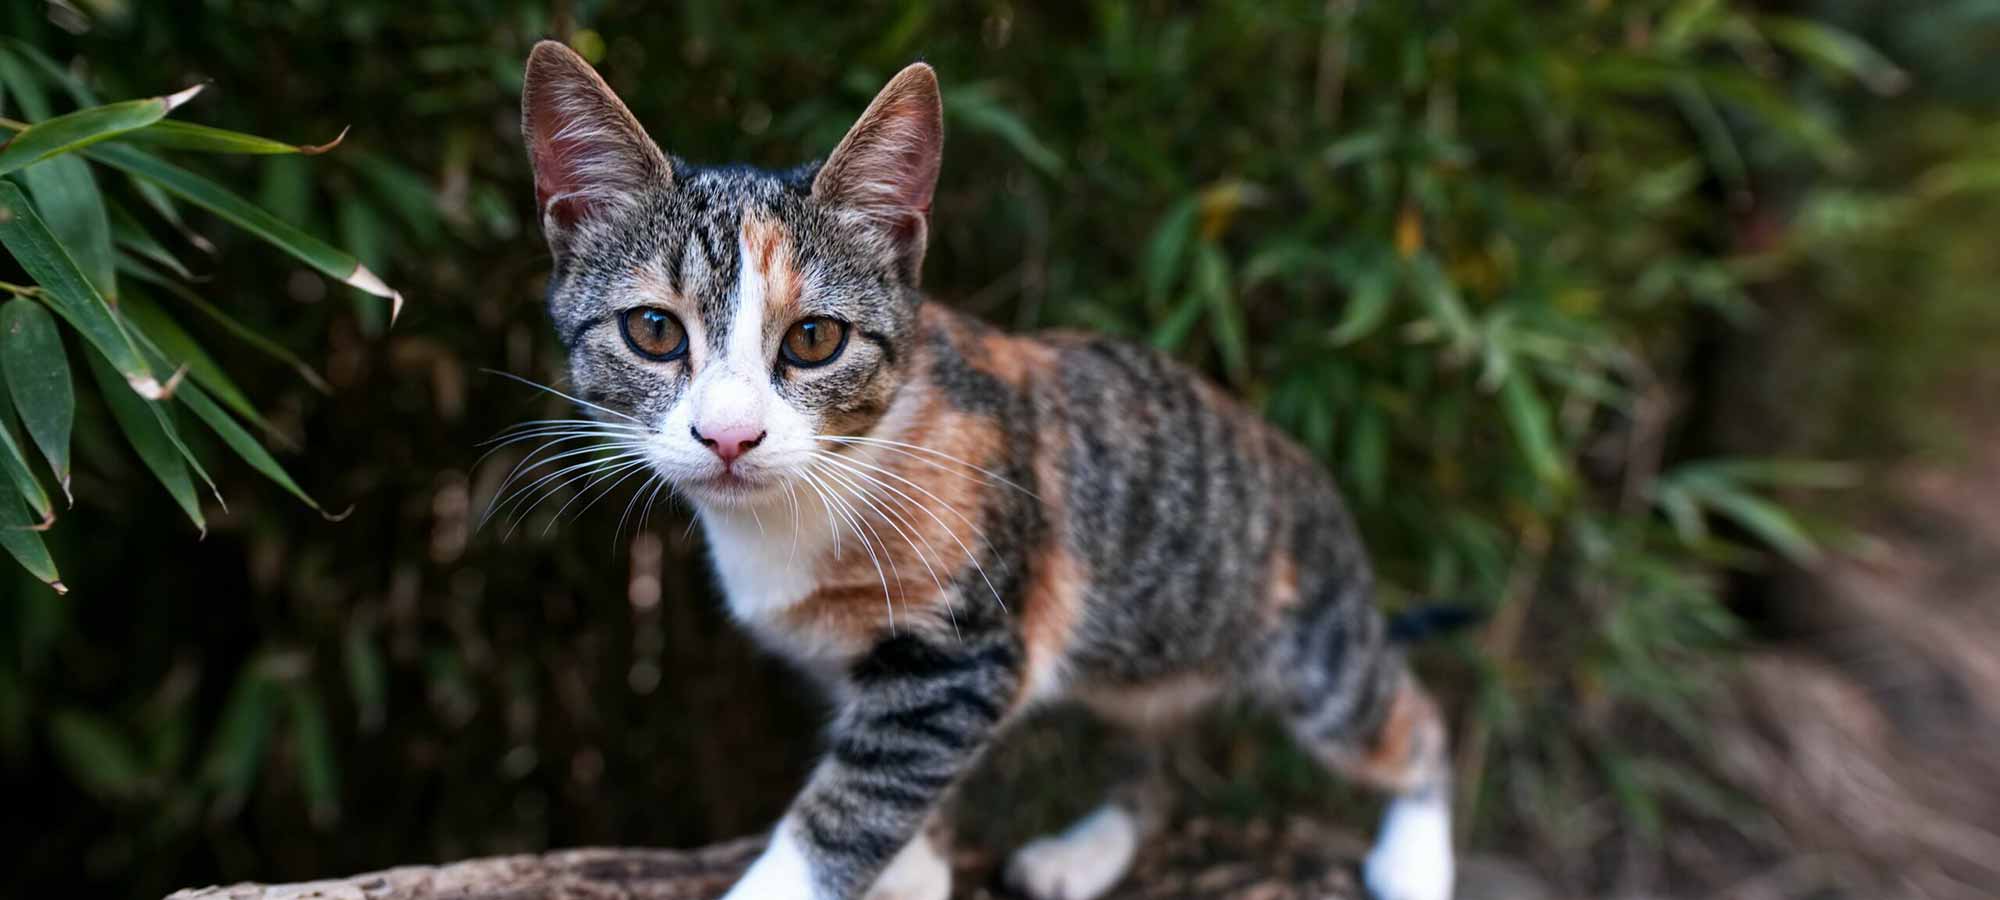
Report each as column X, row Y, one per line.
column 126, row 232
column 172, row 348
column 97, row 756
column 319, row 766
column 1768, row 522
column 220, row 200
column 38, row 380
column 149, row 431
column 53, row 72
column 1528, row 417
column 74, row 131
column 237, row 750
column 174, row 134
column 241, row 331
column 22, row 541
column 240, row 440
column 67, row 197
column 69, row 292
column 1837, row 50
column 1165, row 247
column 15, row 462
column 1368, row 299
column 1441, row 299
column 1225, row 316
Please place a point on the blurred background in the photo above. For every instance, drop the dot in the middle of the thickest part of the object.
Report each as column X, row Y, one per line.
column 1661, row 331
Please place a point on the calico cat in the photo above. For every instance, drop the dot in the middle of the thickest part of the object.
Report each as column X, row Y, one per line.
column 947, row 525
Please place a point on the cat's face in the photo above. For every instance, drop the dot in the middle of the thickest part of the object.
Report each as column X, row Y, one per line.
column 736, row 318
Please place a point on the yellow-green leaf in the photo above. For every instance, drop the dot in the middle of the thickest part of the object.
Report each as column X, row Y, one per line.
column 74, row 131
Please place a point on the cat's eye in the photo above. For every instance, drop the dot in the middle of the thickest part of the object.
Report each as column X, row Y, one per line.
column 654, row 333
column 814, row 341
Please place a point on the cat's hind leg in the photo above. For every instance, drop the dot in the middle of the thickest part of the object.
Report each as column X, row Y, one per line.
column 1371, row 722
column 1088, row 858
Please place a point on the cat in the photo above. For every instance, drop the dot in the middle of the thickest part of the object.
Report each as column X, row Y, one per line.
column 949, row 525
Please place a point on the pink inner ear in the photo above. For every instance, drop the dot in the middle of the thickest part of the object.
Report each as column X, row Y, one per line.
column 558, row 159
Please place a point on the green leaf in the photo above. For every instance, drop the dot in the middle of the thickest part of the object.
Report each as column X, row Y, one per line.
column 220, row 200
column 241, row 331
column 237, row 750
column 235, row 436
column 53, row 72
column 67, row 197
column 97, row 756
column 126, row 232
column 1369, row 293
column 74, row 131
column 319, row 766
column 1768, row 522
column 23, row 86
column 27, row 486
column 22, row 541
column 172, row 348
column 975, row 108
column 69, row 292
column 1838, row 51
column 174, row 134
column 1165, row 248
column 367, row 676
column 1528, row 417
column 151, row 434
column 1225, row 316
column 1440, row 298
column 37, row 375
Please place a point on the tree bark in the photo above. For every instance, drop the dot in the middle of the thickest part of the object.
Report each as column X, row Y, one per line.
column 1199, row 860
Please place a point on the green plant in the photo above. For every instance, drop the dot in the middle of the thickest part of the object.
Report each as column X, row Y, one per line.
column 73, row 238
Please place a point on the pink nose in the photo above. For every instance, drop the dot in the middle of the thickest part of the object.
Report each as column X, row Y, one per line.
column 729, row 443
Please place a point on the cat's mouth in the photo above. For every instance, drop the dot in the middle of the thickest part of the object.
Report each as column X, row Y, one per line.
column 732, row 486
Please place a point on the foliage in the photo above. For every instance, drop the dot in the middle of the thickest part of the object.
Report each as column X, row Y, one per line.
column 1468, row 253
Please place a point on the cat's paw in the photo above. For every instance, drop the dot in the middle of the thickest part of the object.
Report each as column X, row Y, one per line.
column 919, row 872
column 1412, row 857
column 1081, row 863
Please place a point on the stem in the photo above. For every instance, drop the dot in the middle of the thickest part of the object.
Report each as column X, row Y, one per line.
column 27, row 290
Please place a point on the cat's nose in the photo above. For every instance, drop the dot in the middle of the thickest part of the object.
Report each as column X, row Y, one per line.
column 730, row 442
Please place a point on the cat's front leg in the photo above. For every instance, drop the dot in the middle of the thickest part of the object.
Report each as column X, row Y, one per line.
column 920, row 712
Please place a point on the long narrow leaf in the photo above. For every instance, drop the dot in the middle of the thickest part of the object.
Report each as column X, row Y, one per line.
column 171, row 348
column 68, row 199
column 128, row 234
column 220, row 200
column 174, row 134
column 241, row 331
column 22, row 541
column 15, row 463
column 37, row 375
column 71, row 294
column 233, row 434
column 74, row 131
column 146, row 427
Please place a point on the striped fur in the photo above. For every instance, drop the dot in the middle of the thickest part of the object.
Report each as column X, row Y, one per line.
column 949, row 525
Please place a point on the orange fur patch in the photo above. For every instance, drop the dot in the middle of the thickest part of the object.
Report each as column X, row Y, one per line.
column 1406, row 747
column 770, row 252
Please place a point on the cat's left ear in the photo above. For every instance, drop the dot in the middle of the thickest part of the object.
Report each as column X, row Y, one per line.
column 886, row 169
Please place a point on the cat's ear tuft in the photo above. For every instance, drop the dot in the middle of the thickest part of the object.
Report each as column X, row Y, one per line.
column 886, row 169
column 589, row 154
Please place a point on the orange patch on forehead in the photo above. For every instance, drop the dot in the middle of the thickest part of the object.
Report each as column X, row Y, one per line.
column 768, row 253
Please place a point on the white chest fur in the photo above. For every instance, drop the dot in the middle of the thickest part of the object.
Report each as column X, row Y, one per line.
column 767, row 563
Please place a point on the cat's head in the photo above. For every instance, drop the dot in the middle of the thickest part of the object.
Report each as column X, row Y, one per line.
column 738, row 317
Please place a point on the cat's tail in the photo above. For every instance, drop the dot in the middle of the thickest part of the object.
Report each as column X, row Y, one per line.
column 1432, row 620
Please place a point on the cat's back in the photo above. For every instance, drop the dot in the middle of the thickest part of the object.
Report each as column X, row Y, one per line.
column 1185, row 526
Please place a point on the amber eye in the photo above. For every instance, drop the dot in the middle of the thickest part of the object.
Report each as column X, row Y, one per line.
column 814, row 342
column 654, row 333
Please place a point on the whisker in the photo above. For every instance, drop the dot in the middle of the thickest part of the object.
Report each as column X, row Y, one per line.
column 587, row 468
column 893, row 517
column 907, row 448
column 847, row 512
column 622, row 473
column 978, row 532
column 501, row 497
column 580, row 402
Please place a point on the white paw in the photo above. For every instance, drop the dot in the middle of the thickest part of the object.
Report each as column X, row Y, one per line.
column 1412, row 856
column 1079, row 864
column 919, row 872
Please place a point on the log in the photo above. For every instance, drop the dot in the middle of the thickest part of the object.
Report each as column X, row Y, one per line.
column 1197, row 860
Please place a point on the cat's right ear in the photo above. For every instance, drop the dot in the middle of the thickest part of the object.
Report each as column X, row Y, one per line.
column 589, row 154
